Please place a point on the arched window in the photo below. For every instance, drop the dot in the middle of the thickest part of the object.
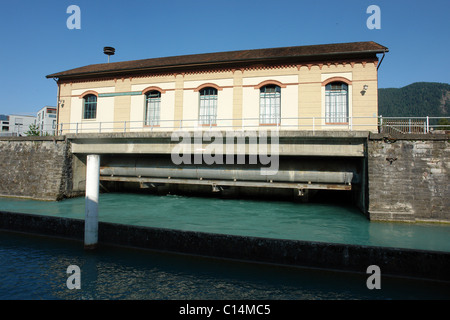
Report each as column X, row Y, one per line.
column 152, row 108
column 208, row 106
column 90, row 106
column 336, row 102
column 269, row 104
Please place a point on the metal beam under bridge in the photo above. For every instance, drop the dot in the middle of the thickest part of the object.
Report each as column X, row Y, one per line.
column 219, row 183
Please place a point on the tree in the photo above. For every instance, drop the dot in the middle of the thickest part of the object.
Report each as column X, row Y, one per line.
column 443, row 124
column 33, row 130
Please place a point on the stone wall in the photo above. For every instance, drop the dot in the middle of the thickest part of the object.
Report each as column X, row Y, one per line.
column 35, row 167
column 408, row 177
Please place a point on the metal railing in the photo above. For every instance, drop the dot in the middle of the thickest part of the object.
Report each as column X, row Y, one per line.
column 420, row 125
column 412, row 124
column 46, row 130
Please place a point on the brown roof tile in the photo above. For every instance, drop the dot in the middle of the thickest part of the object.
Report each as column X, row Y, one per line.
column 220, row 59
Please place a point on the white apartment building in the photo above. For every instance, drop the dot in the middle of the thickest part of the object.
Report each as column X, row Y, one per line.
column 46, row 120
column 15, row 125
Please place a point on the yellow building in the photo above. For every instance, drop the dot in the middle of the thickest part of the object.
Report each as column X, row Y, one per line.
column 318, row 87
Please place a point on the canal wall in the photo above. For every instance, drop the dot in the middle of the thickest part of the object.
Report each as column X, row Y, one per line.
column 35, row 167
column 432, row 265
column 408, row 177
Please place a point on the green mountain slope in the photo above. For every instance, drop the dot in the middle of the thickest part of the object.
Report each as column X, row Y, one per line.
column 419, row 99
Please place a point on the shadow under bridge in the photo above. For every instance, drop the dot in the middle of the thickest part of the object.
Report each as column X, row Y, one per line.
column 306, row 163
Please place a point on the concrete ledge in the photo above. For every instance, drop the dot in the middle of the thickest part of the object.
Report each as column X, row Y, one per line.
column 410, row 136
column 42, row 225
column 34, row 138
column 54, row 197
column 392, row 216
column 432, row 265
column 300, row 143
column 168, row 134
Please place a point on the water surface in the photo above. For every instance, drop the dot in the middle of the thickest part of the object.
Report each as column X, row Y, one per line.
column 33, row 267
column 273, row 219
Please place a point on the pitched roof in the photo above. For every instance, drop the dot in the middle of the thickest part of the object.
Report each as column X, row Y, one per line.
column 229, row 58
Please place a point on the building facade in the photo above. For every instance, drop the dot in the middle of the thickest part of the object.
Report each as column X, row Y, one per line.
column 320, row 87
column 15, row 125
column 4, row 124
column 46, row 120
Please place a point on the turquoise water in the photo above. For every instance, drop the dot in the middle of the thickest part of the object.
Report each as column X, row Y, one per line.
column 272, row 219
column 34, row 267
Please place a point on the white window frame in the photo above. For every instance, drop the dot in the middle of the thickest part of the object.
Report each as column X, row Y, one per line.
column 153, row 108
column 208, row 100
column 89, row 103
column 337, row 104
column 269, row 105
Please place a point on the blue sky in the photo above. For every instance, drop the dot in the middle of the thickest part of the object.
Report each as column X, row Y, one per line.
column 35, row 40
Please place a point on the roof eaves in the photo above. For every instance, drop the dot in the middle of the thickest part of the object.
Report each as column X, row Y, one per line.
column 67, row 74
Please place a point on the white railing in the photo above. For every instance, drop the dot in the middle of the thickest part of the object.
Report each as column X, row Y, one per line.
column 382, row 124
column 46, row 130
column 412, row 124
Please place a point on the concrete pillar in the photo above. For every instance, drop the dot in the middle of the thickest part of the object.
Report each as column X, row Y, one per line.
column 91, row 206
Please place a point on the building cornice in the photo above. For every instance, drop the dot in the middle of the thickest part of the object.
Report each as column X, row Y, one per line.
column 298, row 66
column 244, row 59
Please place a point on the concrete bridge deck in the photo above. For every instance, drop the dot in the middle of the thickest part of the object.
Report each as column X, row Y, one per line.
column 291, row 143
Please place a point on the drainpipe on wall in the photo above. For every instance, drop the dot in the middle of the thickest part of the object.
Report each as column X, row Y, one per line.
column 57, row 107
column 384, row 53
column 378, row 67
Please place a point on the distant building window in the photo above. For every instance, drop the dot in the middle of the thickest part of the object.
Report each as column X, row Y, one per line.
column 269, row 104
column 208, row 106
column 19, row 122
column 152, row 108
column 90, row 107
column 336, row 102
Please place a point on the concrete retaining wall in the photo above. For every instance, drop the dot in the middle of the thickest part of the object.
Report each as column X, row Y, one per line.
column 408, row 177
column 35, row 167
column 352, row 258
